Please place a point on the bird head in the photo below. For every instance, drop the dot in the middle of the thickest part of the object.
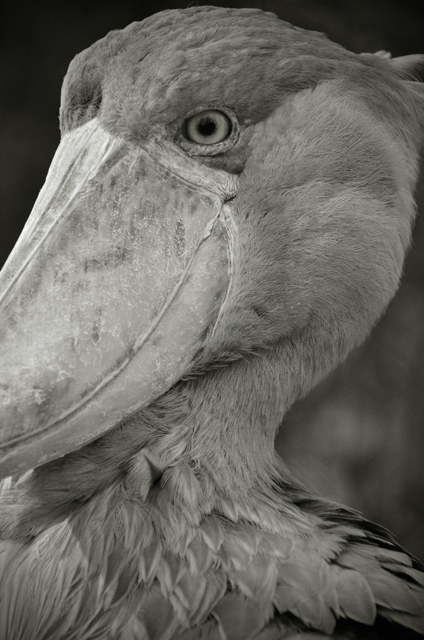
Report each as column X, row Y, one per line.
column 225, row 183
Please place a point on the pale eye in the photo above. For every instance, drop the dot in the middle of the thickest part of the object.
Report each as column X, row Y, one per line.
column 207, row 127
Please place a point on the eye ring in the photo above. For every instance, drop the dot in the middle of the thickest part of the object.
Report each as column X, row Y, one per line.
column 208, row 127
column 221, row 126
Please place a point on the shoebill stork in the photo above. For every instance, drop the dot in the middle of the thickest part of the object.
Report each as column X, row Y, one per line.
column 225, row 218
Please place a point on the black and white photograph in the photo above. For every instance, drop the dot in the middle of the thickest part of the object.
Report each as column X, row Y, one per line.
column 212, row 320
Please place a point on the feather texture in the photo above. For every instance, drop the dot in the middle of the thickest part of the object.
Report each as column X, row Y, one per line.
column 181, row 522
column 231, row 580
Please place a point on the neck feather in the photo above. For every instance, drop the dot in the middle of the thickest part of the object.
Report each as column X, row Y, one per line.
column 209, row 440
column 188, row 490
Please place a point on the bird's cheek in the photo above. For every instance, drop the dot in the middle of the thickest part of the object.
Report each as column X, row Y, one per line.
column 119, row 274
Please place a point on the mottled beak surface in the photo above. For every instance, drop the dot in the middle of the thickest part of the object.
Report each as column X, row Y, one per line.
column 118, row 275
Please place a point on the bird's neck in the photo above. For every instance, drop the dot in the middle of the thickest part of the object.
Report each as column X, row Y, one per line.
column 232, row 416
column 207, row 445
column 189, row 494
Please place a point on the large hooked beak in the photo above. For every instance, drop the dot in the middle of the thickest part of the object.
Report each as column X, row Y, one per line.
column 119, row 273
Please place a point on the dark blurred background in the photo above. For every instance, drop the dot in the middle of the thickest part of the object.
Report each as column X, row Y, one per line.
column 359, row 436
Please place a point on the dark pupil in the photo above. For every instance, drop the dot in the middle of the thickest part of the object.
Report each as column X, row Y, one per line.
column 206, row 126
